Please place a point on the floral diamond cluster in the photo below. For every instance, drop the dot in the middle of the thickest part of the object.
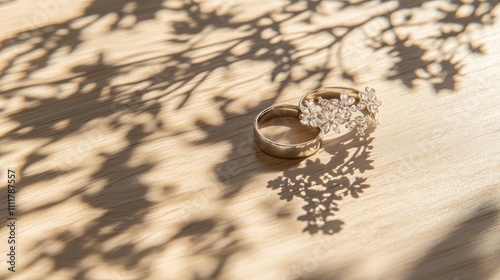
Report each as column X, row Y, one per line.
column 328, row 115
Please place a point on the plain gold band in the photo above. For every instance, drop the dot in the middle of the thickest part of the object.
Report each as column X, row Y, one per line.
column 280, row 150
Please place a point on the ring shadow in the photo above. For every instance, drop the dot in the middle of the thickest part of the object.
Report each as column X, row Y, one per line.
column 321, row 185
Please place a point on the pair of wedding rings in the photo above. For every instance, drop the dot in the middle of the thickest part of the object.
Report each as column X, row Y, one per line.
column 324, row 110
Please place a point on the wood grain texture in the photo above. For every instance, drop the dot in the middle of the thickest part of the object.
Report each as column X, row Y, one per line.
column 129, row 124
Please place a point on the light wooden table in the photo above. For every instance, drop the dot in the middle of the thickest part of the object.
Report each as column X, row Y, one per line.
column 128, row 125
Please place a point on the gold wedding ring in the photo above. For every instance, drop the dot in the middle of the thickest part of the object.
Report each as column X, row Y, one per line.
column 282, row 150
column 322, row 110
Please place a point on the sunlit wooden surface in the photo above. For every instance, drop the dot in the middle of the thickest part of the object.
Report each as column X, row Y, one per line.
column 129, row 126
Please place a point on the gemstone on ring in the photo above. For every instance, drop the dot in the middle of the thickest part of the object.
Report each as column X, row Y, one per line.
column 328, row 115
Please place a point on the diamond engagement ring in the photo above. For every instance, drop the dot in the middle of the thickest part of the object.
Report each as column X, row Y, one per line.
column 337, row 106
column 282, row 150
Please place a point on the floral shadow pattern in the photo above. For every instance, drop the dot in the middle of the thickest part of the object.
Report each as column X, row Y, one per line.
column 323, row 185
